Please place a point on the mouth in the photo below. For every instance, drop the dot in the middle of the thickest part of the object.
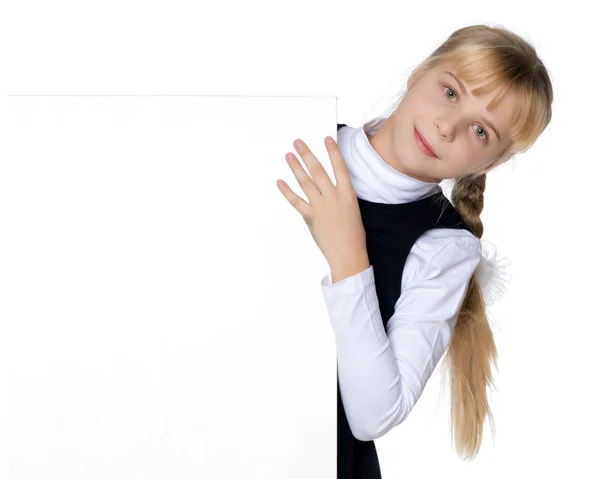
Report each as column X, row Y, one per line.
column 423, row 145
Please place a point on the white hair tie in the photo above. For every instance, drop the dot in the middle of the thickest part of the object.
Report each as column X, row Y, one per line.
column 491, row 273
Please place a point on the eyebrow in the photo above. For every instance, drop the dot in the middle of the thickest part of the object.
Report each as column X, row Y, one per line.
column 464, row 90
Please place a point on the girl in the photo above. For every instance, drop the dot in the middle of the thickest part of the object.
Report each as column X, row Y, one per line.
column 407, row 264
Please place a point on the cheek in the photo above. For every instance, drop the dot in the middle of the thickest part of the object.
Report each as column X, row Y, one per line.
column 423, row 108
column 475, row 161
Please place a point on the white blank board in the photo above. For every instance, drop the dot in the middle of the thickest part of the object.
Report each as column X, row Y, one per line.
column 161, row 308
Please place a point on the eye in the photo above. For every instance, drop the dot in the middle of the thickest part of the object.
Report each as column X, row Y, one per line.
column 485, row 133
column 451, row 91
column 455, row 95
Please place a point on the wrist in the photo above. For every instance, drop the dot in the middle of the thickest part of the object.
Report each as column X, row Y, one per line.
column 341, row 270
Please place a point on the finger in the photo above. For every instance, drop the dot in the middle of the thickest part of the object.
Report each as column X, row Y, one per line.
column 340, row 170
column 304, row 180
column 296, row 201
column 320, row 176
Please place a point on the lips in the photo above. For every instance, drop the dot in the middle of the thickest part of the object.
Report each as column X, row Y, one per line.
column 422, row 140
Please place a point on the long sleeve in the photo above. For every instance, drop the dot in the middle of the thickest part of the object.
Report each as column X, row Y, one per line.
column 383, row 372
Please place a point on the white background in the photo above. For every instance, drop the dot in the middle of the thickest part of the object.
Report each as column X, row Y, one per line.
column 123, row 352
column 154, row 291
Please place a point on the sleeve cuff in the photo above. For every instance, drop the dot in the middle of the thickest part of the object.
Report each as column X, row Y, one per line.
column 351, row 283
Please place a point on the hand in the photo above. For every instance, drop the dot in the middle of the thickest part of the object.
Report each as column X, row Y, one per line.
column 333, row 215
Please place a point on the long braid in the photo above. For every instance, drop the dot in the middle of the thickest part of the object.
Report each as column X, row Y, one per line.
column 472, row 349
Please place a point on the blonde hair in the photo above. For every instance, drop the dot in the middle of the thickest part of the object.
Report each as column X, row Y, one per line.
column 497, row 58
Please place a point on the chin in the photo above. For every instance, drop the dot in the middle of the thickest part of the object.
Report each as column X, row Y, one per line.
column 413, row 168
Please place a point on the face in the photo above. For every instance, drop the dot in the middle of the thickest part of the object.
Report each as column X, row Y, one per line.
column 456, row 125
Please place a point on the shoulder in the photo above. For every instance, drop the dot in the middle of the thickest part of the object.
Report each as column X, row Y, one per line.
column 439, row 239
column 442, row 241
column 442, row 251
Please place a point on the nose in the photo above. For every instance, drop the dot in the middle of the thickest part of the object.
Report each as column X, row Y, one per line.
column 444, row 129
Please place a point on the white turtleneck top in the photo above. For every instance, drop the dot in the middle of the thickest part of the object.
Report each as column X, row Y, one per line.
column 382, row 371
